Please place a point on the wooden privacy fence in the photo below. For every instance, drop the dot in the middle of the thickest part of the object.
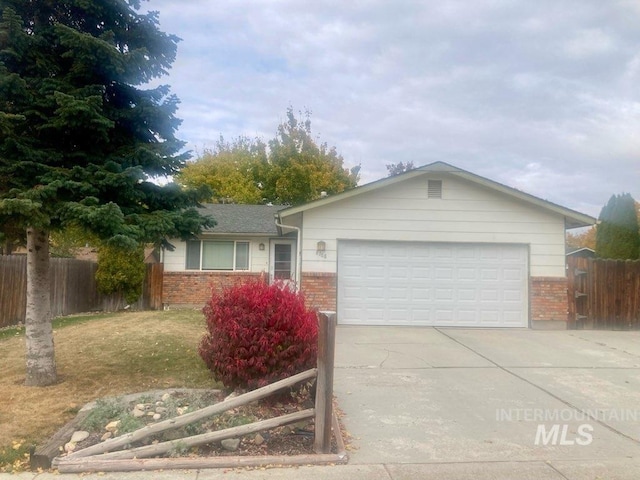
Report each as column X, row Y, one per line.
column 73, row 289
column 604, row 293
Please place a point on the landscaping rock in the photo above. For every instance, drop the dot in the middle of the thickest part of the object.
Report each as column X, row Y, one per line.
column 166, row 396
column 301, row 425
column 137, row 413
column 141, row 406
column 258, row 439
column 78, row 436
column 106, row 436
column 157, row 416
column 112, row 426
column 161, row 409
column 230, row 444
column 69, row 447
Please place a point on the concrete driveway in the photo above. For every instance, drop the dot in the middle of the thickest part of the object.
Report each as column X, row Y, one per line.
column 491, row 403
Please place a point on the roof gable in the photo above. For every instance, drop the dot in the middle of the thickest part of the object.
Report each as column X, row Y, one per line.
column 572, row 218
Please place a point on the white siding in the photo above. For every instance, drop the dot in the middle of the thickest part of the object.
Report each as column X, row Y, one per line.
column 466, row 213
column 174, row 261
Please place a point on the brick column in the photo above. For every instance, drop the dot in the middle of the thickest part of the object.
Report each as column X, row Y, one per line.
column 319, row 289
column 549, row 302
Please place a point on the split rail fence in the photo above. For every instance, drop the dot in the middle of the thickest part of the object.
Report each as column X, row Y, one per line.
column 604, row 294
column 116, row 454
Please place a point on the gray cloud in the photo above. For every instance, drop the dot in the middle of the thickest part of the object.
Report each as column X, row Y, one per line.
column 543, row 96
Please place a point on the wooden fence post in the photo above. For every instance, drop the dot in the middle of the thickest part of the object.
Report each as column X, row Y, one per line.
column 324, row 384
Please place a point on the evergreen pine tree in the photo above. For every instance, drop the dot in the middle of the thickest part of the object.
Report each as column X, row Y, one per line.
column 81, row 138
column 617, row 235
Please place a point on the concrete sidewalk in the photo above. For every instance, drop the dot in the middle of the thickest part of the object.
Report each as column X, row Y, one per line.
column 464, row 404
column 563, row 470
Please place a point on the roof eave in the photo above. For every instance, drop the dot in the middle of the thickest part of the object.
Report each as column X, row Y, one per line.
column 572, row 218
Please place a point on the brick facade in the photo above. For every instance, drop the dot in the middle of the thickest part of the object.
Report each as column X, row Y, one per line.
column 549, row 301
column 320, row 290
column 547, row 295
column 194, row 288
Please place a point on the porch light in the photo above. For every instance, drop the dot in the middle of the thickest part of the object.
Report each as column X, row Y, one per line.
column 321, row 247
column 261, row 247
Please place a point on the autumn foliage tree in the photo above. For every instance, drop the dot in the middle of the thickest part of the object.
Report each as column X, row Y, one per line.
column 232, row 170
column 81, row 140
column 292, row 168
column 585, row 239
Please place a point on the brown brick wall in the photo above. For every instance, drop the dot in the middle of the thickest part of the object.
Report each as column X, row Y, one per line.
column 548, row 295
column 549, row 299
column 195, row 288
column 320, row 290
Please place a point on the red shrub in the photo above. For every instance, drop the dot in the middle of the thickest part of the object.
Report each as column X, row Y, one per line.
column 258, row 334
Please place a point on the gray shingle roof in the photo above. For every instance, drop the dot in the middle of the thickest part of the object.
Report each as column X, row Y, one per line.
column 231, row 218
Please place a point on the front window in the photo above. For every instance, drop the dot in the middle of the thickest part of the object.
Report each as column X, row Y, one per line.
column 217, row 255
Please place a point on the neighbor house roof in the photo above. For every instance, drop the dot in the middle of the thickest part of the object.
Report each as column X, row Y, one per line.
column 584, row 251
column 244, row 219
column 572, row 218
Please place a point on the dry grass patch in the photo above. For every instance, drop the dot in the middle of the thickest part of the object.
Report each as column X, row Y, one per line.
column 98, row 356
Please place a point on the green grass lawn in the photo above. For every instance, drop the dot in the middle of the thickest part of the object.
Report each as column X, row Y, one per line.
column 97, row 356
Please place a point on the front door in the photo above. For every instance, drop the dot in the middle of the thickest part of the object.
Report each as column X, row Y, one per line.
column 282, row 265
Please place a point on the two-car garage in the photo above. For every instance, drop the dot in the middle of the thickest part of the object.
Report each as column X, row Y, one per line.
column 435, row 246
column 432, row 284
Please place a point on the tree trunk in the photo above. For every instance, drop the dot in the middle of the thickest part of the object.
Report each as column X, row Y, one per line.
column 41, row 363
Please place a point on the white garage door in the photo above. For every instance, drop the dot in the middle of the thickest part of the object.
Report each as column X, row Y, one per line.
column 437, row 284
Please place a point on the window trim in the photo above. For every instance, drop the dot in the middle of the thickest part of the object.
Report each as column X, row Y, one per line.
column 201, row 243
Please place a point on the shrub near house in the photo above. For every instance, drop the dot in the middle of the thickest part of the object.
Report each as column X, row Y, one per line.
column 258, row 334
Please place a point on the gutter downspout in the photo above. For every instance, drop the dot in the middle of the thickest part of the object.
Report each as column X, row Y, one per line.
column 298, row 280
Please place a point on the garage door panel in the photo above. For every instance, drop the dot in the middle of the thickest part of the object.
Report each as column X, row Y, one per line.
column 514, row 274
column 443, row 273
column 444, row 294
column 395, row 294
column 467, row 295
column 466, row 274
column 514, row 296
column 402, row 283
column 420, row 277
column 489, row 274
column 399, row 273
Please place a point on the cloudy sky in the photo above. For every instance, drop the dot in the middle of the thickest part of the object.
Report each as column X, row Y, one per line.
column 540, row 95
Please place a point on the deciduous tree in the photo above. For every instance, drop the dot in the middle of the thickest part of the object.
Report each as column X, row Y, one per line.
column 232, row 170
column 397, row 168
column 585, row 239
column 81, row 139
column 293, row 169
column 300, row 169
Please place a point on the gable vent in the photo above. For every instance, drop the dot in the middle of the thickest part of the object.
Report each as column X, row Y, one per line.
column 434, row 188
